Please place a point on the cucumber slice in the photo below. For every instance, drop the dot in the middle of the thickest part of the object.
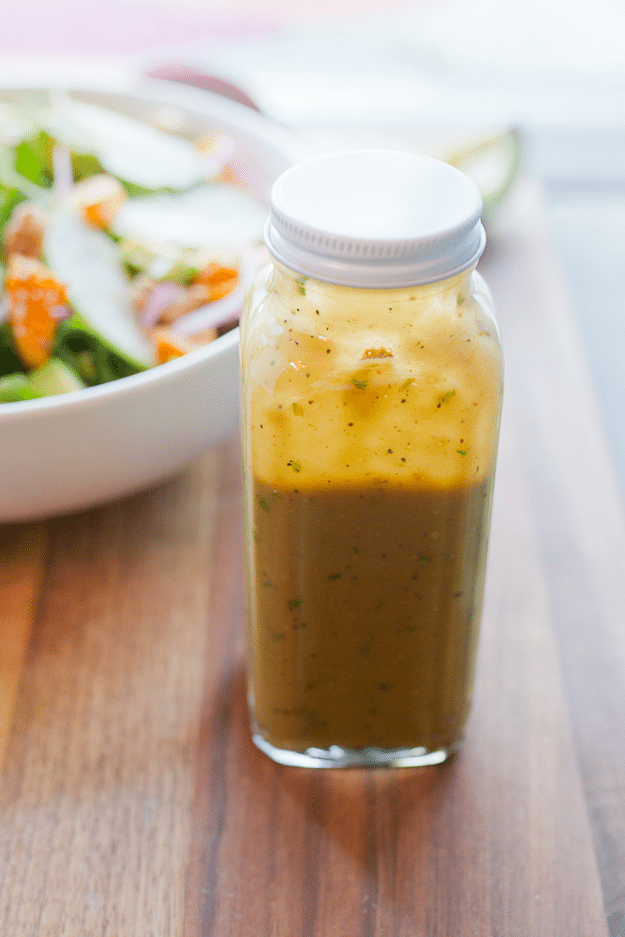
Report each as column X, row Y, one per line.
column 87, row 262
column 14, row 387
column 54, row 377
column 127, row 148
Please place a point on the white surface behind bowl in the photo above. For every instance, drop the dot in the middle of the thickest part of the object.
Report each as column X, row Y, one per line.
column 73, row 451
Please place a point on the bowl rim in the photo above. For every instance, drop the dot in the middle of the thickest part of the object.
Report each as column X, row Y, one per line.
column 91, row 79
column 23, row 73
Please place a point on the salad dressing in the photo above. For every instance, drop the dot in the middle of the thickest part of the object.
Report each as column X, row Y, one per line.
column 347, row 647
column 370, row 425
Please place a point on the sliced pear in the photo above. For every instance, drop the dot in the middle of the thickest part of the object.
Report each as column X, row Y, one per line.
column 87, row 262
column 136, row 152
column 15, row 124
column 15, row 387
column 216, row 214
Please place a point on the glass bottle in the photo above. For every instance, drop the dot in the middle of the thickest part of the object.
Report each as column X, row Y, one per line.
column 371, row 396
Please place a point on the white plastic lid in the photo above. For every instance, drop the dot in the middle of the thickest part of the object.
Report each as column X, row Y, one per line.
column 375, row 218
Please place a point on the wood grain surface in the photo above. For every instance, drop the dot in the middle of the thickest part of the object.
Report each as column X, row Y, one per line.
column 577, row 505
column 21, row 569
column 99, row 775
column 133, row 802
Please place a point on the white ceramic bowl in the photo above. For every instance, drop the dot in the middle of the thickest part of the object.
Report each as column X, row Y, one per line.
column 69, row 452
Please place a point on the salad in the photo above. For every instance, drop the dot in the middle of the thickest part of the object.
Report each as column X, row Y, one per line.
column 123, row 244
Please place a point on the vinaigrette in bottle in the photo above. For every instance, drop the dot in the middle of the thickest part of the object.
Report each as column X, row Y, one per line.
column 371, row 394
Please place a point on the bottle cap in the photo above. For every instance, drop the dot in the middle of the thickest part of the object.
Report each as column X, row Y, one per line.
column 375, row 218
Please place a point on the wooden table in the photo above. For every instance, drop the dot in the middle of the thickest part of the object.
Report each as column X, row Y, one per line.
column 132, row 801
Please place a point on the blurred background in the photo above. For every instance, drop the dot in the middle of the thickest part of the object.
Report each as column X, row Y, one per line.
column 538, row 86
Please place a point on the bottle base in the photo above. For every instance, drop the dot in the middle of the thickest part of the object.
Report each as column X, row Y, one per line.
column 337, row 757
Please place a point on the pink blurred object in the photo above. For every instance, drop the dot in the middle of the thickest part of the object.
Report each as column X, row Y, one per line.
column 190, row 76
column 84, row 27
column 61, row 313
column 125, row 27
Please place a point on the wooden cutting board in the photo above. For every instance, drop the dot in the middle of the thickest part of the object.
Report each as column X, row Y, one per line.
column 21, row 571
column 133, row 803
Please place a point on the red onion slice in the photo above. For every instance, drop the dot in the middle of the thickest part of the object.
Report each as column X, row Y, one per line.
column 160, row 296
column 61, row 313
column 211, row 315
column 224, row 310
